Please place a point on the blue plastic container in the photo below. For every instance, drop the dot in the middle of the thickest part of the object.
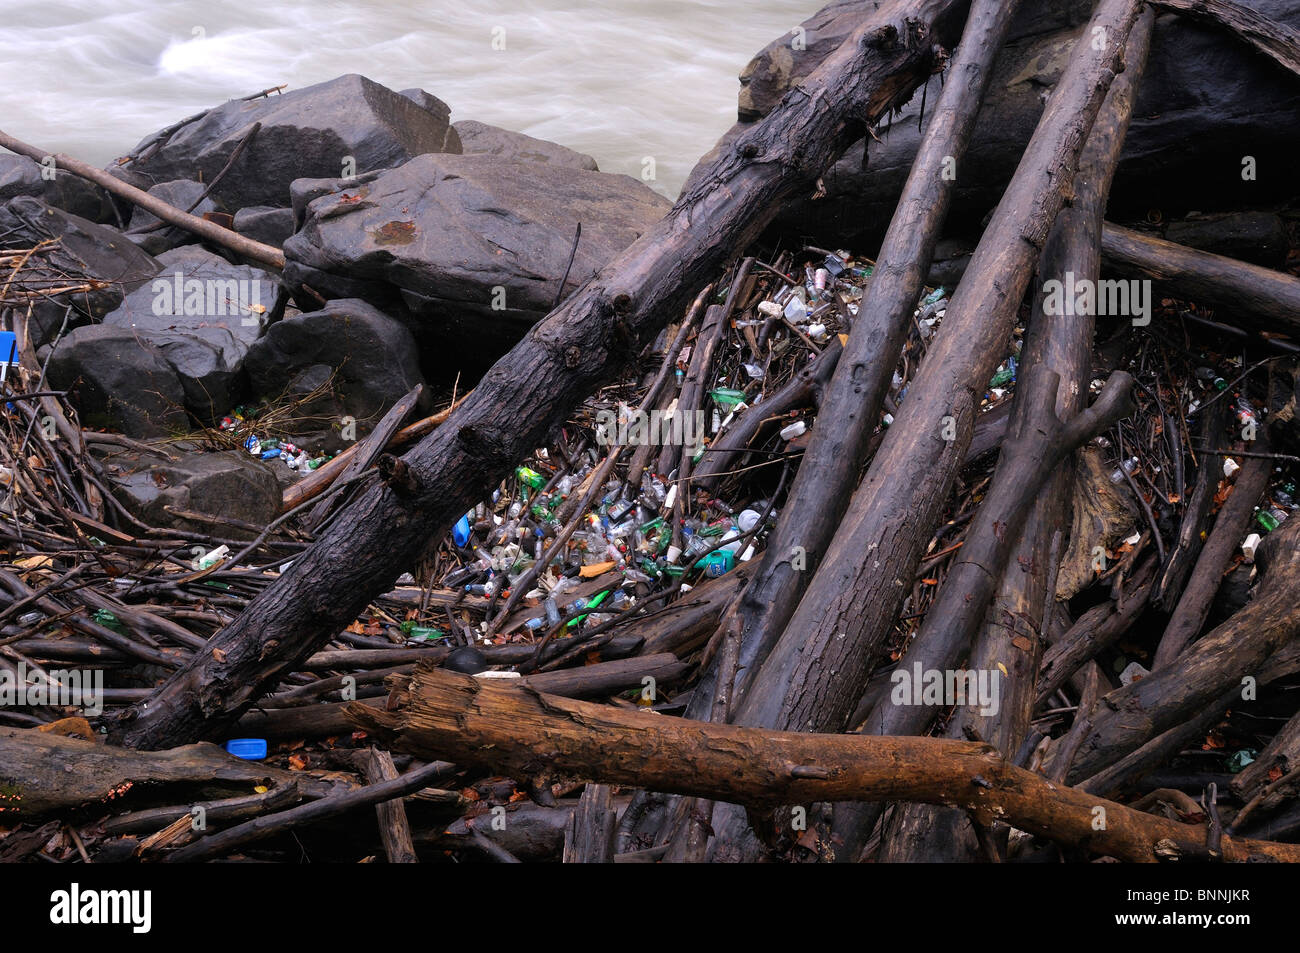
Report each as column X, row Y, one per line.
column 250, row 749
column 460, row 532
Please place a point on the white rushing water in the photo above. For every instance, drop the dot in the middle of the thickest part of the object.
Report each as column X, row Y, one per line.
column 620, row 79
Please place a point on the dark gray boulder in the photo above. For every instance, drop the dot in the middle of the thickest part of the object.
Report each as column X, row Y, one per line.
column 364, row 359
column 180, row 194
column 221, row 485
column 263, row 223
column 202, row 313
column 479, row 138
column 347, row 124
column 469, row 249
column 85, row 252
column 441, row 111
column 20, row 175
column 118, row 381
column 302, row 192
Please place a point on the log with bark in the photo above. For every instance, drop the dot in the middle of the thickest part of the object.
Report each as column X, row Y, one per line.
column 532, row 735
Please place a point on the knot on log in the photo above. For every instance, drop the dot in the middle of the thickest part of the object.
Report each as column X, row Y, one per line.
column 482, row 447
column 884, row 38
column 400, row 477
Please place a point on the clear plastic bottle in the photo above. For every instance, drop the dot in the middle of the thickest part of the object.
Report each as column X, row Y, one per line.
column 1128, row 466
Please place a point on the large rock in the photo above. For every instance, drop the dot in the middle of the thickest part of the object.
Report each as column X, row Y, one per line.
column 310, row 132
column 119, row 382
column 85, row 252
column 180, row 194
column 470, row 249
column 265, row 224
column 223, row 485
column 1201, row 86
column 203, row 314
column 20, row 175
column 478, row 138
column 441, row 111
column 364, row 358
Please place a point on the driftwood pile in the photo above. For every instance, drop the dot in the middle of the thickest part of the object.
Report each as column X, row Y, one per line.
column 950, row 574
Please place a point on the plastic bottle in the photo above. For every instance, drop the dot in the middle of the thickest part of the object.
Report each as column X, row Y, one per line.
column 1128, row 466
column 530, row 477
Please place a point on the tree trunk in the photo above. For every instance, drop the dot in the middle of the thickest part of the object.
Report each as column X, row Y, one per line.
column 1260, row 297
column 529, row 735
column 1230, row 527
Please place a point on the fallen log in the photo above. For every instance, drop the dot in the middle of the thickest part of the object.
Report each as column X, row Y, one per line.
column 1195, row 522
column 1260, row 297
column 208, row 231
column 394, row 828
column 41, row 773
column 589, row 835
column 1096, row 630
column 568, row 355
column 1223, row 543
column 320, row 479
column 269, row 825
column 1282, row 753
column 526, row 734
column 365, row 453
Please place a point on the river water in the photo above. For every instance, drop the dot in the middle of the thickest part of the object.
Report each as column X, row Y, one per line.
column 621, row 80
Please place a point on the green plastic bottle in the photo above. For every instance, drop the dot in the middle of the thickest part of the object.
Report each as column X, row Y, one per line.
column 728, row 397
column 530, row 477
